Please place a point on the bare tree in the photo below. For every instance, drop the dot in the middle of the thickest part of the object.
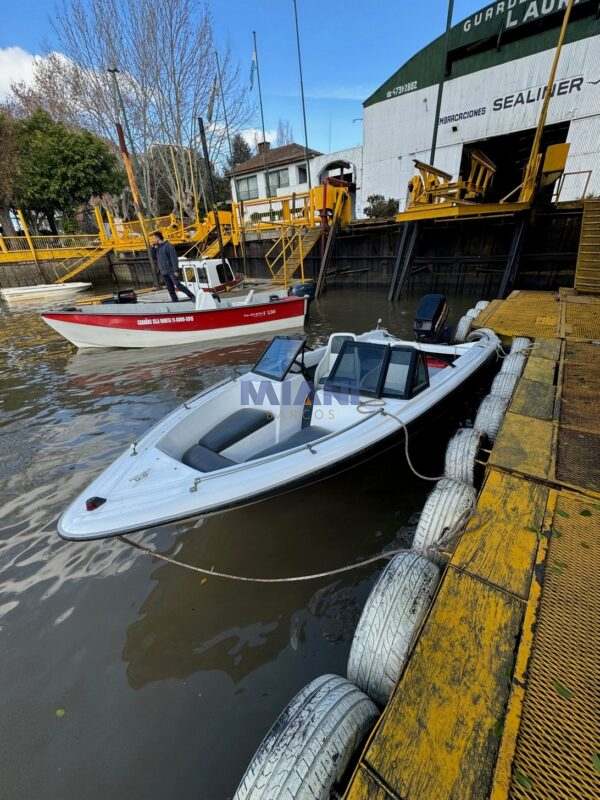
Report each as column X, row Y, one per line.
column 285, row 133
column 164, row 50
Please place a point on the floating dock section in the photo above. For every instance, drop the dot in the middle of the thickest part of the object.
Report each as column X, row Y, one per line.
column 501, row 696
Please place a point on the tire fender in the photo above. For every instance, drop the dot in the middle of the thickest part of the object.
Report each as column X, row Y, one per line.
column 310, row 745
column 490, row 415
column 461, row 455
column 390, row 619
column 445, row 508
column 504, row 384
column 462, row 329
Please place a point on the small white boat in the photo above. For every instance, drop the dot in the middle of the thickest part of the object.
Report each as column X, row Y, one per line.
column 156, row 324
column 296, row 417
column 43, row 292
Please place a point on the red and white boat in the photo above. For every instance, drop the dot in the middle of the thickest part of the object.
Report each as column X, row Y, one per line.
column 156, row 324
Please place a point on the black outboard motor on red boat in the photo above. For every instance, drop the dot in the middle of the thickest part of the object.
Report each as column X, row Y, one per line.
column 305, row 289
column 122, row 296
column 430, row 319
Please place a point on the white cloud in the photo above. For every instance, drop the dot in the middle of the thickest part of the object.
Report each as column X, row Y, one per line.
column 254, row 135
column 16, row 65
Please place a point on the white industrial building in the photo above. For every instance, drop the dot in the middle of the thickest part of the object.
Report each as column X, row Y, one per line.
column 496, row 70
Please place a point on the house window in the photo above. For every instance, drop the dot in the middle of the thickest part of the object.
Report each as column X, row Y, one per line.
column 279, row 178
column 247, row 188
column 302, row 176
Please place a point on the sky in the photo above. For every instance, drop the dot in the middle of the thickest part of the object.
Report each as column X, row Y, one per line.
column 349, row 48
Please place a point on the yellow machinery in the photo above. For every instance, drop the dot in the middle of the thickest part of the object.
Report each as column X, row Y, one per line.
column 433, row 194
column 432, row 185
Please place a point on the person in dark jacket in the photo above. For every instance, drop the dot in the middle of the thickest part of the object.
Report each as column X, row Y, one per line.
column 168, row 266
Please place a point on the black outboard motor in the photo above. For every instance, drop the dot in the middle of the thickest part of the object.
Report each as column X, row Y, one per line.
column 430, row 320
column 122, row 296
column 125, row 296
column 306, row 289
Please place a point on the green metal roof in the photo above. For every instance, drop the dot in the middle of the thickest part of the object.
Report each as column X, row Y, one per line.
column 500, row 32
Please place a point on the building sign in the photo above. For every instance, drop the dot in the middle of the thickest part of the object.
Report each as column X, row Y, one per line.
column 513, row 12
column 537, row 93
column 403, row 89
column 524, row 97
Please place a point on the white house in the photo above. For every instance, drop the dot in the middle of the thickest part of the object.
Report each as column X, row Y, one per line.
column 280, row 171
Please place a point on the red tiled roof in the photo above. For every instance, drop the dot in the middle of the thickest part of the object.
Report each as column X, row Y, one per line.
column 276, row 156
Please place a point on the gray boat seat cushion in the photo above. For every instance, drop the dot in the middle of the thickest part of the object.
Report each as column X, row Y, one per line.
column 303, row 436
column 205, row 460
column 234, row 428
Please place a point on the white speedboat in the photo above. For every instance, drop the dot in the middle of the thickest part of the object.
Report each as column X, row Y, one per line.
column 296, row 417
column 43, row 292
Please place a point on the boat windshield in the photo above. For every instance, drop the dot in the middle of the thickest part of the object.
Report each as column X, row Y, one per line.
column 359, row 369
column 279, row 356
column 370, row 369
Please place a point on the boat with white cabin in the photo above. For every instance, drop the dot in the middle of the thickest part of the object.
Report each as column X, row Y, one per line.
column 130, row 323
column 297, row 416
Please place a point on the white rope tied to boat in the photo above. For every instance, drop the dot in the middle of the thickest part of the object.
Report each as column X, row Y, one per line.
column 448, row 538
column 211, row 573
column 376, row 406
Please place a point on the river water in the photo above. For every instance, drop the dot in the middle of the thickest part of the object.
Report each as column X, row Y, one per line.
column 130, row 678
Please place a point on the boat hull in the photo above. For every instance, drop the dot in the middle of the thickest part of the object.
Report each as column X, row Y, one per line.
column 87, row 329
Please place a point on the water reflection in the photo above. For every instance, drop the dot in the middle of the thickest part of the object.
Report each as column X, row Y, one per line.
column 189, row 622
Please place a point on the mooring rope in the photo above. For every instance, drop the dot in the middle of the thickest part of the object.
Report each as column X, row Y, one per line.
column 447, row 538
column 376, row 406
column 246, row 579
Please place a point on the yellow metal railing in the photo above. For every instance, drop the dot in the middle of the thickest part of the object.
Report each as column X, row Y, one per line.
column 302, row 210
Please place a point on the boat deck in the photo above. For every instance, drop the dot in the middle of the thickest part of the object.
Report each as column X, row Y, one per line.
column 500, row 697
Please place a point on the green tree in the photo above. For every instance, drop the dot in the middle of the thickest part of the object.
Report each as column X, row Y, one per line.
column 380, row 207
column 240, row 151
column 8, row 162
column 60, row 168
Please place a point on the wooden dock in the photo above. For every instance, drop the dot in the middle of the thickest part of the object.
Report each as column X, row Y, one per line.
column 500, row 697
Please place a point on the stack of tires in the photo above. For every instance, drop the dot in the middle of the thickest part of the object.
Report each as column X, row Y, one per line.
column 308, row 750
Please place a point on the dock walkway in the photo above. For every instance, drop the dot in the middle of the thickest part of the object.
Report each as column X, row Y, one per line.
column 501, row 696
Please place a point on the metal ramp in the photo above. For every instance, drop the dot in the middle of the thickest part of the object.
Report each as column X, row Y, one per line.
column 84, row 263
column 587, row 271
